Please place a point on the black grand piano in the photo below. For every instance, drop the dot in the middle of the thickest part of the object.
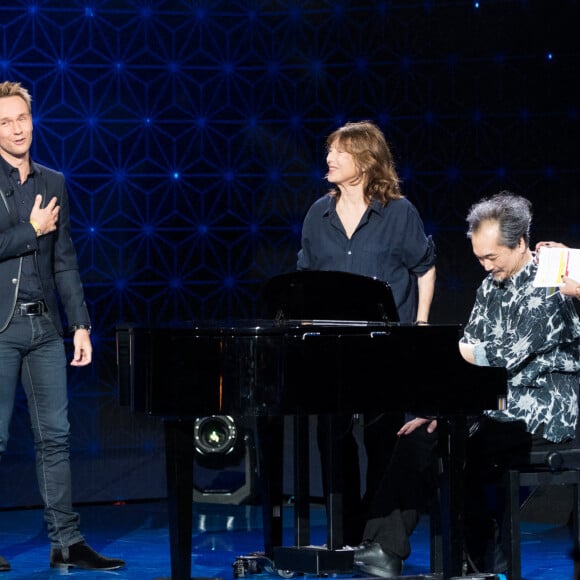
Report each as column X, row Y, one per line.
column 300, row 360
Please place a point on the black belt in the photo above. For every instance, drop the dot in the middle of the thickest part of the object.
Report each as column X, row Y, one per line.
column 31, row 308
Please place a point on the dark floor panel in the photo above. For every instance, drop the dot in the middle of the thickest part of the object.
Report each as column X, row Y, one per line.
column 139, row 534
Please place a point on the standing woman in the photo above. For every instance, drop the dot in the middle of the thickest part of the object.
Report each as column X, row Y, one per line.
column 364, row 225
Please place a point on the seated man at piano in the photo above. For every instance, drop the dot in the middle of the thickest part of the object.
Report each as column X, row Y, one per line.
column 364, row 225
column 536, row 338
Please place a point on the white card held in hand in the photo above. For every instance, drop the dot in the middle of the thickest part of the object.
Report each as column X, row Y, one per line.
column 553, row 263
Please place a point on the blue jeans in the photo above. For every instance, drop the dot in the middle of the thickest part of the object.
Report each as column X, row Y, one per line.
column 32, row 351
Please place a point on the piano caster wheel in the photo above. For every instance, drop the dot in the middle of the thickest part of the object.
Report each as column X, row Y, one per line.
column 285, row 573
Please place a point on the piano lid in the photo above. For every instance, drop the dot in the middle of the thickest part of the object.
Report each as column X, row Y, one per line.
column 265, row 367
column 328, row 295
column 327, row 344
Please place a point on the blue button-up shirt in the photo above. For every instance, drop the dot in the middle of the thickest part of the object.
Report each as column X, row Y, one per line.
column 389, row 244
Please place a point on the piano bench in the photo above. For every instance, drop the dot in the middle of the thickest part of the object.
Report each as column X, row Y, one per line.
column 545, row 471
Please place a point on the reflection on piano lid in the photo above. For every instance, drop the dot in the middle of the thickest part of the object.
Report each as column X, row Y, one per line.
column 277, row 367
column 291, row 322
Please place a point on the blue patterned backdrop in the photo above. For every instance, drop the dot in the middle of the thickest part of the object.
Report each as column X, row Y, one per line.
column 192, row 136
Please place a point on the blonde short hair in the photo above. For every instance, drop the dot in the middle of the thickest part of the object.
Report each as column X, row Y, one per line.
column 15, row 89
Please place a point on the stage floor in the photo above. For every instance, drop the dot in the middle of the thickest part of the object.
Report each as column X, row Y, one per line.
column 138, row 533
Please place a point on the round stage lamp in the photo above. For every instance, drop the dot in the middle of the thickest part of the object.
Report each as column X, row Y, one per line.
column 215, row 435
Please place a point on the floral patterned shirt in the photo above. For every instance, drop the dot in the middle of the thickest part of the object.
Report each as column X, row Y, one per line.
column 535, row 334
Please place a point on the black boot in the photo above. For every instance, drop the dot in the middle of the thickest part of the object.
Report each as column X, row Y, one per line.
column 81, row 555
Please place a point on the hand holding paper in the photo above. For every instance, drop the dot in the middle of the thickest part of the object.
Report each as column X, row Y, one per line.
column 555, row 263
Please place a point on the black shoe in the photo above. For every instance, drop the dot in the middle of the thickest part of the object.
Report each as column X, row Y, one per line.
column 4, row 565
column 369, row 557
column 81, row 555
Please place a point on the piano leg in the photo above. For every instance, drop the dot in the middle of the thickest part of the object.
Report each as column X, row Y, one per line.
column 301, row 480
column 335, row 479
column 270, row 431
column 179, row 450
column 303, row 558
column 452, row 494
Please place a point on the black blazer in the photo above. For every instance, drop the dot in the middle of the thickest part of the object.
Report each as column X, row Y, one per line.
column 56, row 258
